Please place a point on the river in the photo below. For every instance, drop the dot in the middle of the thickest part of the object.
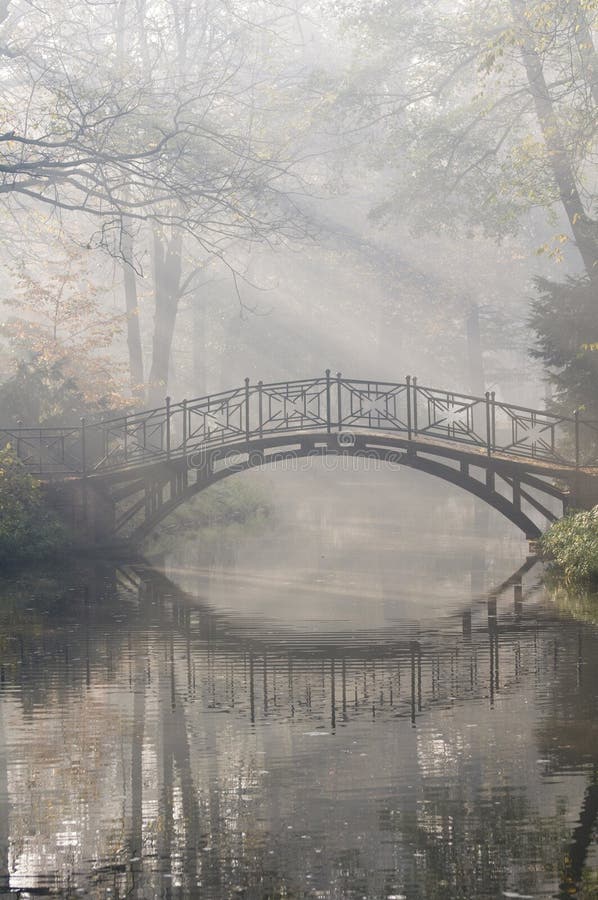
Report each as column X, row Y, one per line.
column 338, row 702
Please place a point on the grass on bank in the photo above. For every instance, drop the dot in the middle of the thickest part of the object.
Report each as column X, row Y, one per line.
column 232, row 504
column 230, row 501
column 574, row 599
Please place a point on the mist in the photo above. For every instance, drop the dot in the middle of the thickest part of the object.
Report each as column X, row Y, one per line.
column 298, row 448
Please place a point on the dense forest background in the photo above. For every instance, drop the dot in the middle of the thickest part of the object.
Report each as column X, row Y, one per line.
column 195, row 191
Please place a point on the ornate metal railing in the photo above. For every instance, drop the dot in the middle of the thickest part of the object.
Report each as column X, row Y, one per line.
column 327, row 404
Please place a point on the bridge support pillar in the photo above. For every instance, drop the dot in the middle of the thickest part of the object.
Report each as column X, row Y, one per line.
column 517, row 494
column 518, row 598
column 87, row 512
column 583, row 491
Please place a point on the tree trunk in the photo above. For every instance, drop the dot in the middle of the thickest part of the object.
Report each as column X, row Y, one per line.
column 583, row 229
column 199, row 348
column 477, row 384
column 167, row 278
column 126, row 245
column 133, row 326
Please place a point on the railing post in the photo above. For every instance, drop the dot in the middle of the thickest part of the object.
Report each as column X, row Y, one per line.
column 408, row 383
column 167, row 402
column 125, row 437
column 247, row 431
column 260, row 386
column 19, row 426
column 488, row 426
column 102, row 438
column 328, row 411
column 493, row 400
column 83, row 447
column 184, row 410
column 577, row 451
column 339, row 400
column 414, row 383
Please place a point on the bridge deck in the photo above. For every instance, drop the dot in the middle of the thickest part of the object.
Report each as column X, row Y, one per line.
column 364, row 440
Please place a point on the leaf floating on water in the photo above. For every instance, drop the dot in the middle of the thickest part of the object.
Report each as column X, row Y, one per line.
column 519, row 896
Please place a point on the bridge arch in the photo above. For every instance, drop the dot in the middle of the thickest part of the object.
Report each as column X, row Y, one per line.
column 120, row 476
column 512, row 491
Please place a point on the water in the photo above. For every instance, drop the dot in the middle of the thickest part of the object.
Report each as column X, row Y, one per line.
column 326, row 706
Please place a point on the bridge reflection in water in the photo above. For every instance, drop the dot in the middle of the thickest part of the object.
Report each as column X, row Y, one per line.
column 223, row 729
column 121, row 476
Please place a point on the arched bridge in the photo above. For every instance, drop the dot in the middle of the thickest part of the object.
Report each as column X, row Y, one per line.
column 119, row 477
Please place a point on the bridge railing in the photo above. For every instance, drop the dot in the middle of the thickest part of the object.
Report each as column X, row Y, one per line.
column 46, row 451
column 329, row 403
column 423, row 412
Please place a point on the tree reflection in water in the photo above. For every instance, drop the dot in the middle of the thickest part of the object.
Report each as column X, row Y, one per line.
column 150, row 747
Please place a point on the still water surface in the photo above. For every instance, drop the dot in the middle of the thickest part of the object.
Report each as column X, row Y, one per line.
column 331, row 705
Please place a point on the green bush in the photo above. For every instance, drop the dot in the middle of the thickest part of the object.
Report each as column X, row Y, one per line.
column 572, row 545
column 29, row 529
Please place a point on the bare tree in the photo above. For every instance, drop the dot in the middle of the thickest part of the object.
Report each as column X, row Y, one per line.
column 150, row 118
column 230, row 58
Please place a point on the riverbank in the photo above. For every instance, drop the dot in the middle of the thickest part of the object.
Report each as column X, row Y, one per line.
column 29, row 528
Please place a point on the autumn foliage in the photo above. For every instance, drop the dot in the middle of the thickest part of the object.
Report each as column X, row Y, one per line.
column 59, row 337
